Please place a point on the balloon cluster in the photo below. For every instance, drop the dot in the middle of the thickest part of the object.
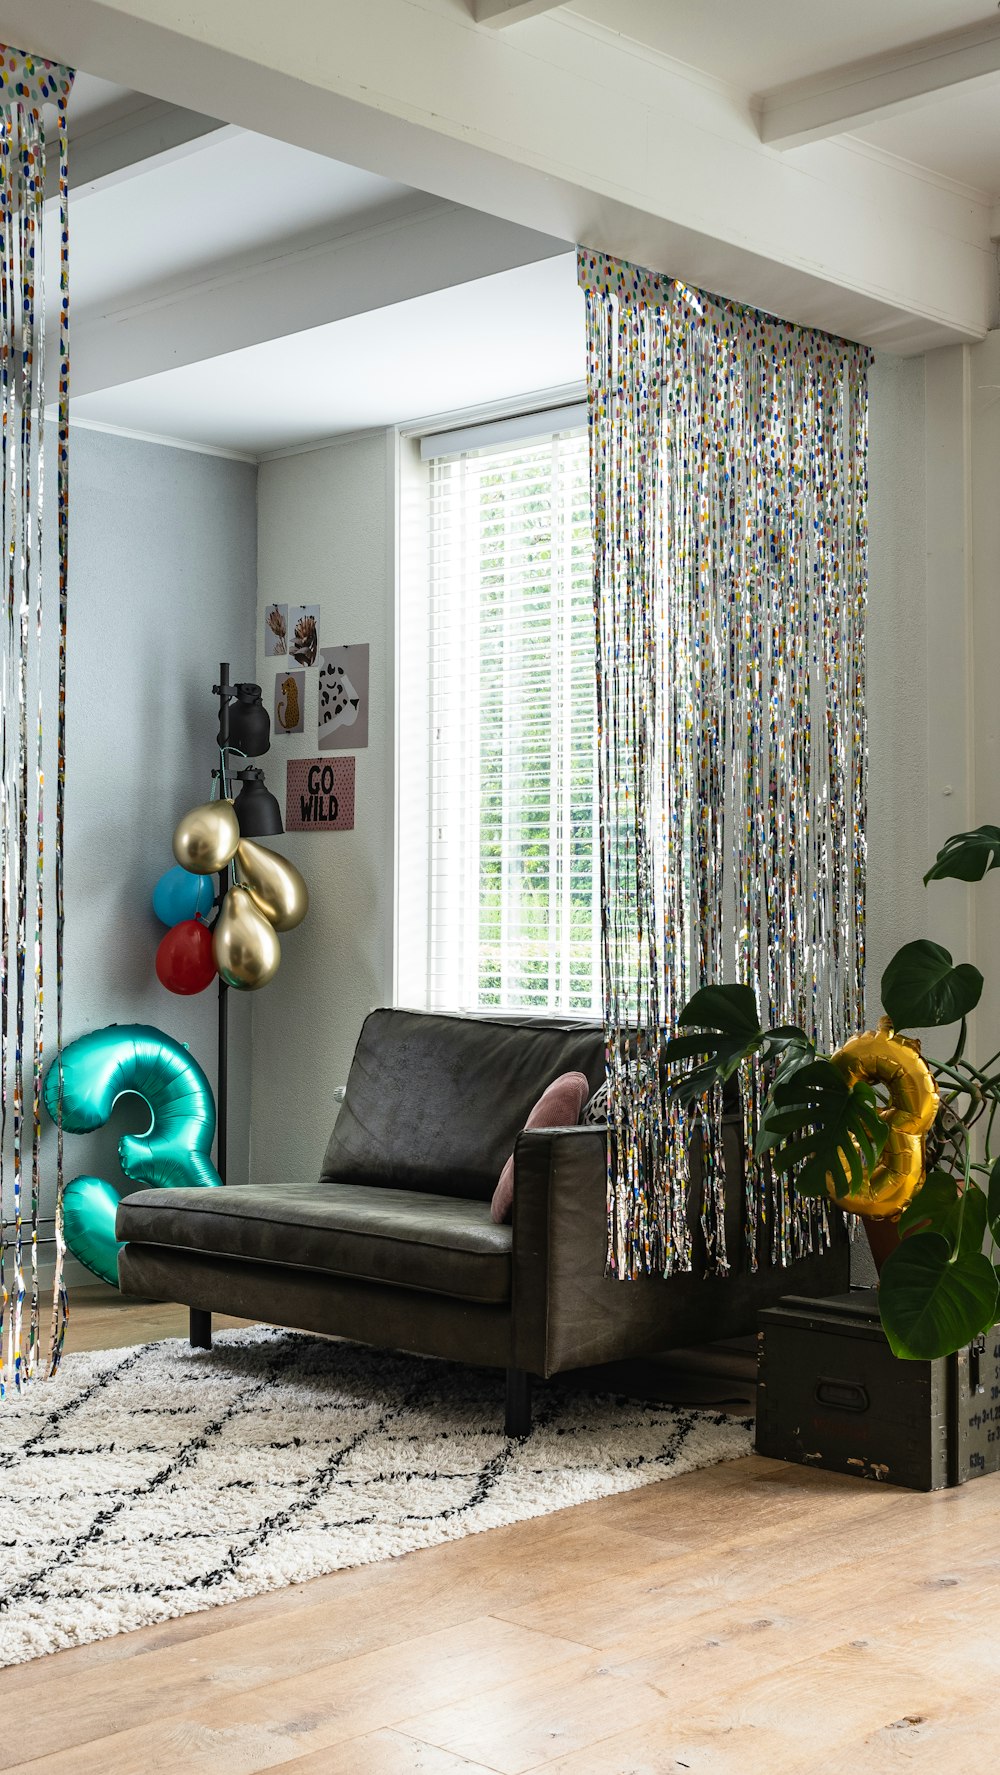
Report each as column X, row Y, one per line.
column 268, row 895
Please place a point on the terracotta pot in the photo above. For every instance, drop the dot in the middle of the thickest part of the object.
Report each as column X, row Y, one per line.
column 883, row 1238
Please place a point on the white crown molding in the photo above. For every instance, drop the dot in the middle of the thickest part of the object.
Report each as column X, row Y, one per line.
column 152, row 437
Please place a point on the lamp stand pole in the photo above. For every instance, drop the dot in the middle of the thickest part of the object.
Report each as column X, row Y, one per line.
column 222, row 1086
column 199, row 1318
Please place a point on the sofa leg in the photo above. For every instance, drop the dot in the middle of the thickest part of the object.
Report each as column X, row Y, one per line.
column 200, row 1332
column 517, row 1421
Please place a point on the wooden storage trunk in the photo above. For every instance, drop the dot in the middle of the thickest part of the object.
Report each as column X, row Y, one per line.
column 830, row 1393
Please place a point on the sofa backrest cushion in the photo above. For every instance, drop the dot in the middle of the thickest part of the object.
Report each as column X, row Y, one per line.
column 436, row 1102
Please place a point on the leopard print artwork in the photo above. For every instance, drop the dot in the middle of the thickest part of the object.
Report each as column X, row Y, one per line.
column 288, row 711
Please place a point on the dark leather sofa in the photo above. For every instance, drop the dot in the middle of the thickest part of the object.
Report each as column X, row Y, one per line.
column 393, row 1244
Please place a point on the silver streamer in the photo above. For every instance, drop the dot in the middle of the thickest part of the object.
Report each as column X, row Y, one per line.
column 33, row 99
column 729, row 497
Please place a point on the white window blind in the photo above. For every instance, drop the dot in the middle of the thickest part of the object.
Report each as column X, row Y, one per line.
column 503, row 730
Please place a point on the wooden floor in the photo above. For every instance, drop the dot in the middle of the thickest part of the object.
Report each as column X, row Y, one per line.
column 752, row 1619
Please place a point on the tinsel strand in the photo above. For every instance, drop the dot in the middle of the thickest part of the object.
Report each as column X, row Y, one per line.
column 728, row 499
column 27, row 86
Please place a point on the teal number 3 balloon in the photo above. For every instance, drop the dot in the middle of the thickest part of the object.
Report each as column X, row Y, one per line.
column 129, row 1058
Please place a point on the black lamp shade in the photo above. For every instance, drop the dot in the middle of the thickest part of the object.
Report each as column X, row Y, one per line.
column 249, row 722
column 256, row 808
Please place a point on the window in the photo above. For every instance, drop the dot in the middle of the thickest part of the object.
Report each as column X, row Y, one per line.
column 497, row 831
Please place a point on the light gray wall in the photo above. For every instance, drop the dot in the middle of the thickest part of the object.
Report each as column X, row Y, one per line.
column 898, row 681
column 162, row 586
column 326, row 529
column 899, row 672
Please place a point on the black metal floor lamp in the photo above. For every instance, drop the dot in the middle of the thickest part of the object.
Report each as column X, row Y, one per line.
column 244, row 728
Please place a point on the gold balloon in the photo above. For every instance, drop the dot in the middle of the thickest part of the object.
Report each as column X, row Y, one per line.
column 882, row 1057
column 245, row 948
column 206, row 838
column 274, row 885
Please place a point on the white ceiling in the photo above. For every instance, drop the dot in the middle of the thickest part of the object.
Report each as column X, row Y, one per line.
column 520, row 332
column 204, row 237
column 92, row 99
column 756, row 44
column 199, row 213
column 956, row 136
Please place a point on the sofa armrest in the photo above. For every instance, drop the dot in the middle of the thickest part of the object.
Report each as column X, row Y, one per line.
column 567, row 1311
column 554, row 1169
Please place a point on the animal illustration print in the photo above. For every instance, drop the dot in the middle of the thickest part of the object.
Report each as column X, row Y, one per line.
column 338, row 699
column 289, row 713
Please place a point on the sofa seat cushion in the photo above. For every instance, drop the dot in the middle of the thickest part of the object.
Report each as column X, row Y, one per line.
column 440, row 1244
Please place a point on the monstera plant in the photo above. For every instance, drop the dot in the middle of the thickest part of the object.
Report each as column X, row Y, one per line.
column 883, row 1132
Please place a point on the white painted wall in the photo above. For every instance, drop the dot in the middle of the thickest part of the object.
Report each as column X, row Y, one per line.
column 984, row 534
column 326, row 529
column 898, row 667
column 162, row 586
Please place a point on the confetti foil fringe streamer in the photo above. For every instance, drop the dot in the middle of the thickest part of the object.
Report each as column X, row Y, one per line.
column 33, row 161
column 729, row 502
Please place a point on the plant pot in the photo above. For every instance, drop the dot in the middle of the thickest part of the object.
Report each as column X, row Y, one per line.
column 883, row 1239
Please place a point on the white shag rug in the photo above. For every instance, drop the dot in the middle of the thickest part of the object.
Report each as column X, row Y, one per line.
column 151, row 1482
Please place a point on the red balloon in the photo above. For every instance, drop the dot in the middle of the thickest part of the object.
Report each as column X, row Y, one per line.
column 184, row 959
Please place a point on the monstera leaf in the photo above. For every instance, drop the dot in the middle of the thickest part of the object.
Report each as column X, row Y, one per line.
column 993, row 1201
column 726, row 1032
column 922, row 987
column 933, row 1301
column 729, row 1031
column 937, row 1208
column 817, row 1122
column 967, row 856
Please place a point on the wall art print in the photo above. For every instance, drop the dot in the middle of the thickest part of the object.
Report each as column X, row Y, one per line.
column 319, row 795
column 343, row 698
column 303, row 633
column 275, row 631
column 289, row 702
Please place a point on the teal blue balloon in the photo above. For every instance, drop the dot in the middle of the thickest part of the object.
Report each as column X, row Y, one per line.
column 124, row 1059
column 179, row 895
column 90, row 1205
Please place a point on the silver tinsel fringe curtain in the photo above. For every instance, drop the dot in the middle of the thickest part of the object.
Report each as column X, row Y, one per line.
column 33, row 161
column 729, row 494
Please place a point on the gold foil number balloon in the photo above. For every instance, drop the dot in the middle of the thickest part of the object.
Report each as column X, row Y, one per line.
column 245, row 947
column 207, row 837
column 894, row 1061
column 275, row 885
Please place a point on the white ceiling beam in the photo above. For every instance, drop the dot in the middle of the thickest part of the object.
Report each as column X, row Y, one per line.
column 845, row 99
column 676, row 177
column 127, row 144
column 271, row 294
column 123, row 146
column 498, row 13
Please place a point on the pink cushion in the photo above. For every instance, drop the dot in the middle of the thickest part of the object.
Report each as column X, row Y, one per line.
column 559, row 1106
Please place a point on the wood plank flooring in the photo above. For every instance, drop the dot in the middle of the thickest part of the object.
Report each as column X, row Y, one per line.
column 752, row 1619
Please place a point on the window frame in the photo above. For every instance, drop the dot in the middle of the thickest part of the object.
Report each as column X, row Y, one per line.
column 412, row 937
